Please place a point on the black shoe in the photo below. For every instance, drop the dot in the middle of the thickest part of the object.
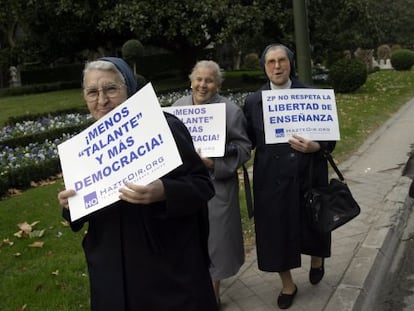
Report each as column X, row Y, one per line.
column 316, row 274
column 284, row 301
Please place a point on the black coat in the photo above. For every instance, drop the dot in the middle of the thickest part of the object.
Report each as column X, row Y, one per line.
column 154, row 257
column 280, row 179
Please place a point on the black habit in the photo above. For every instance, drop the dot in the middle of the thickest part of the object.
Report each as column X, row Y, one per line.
column 154, row 257
column 280, row 178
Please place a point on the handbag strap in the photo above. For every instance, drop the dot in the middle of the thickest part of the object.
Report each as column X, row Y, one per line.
column 249, row 201
column 331, row 161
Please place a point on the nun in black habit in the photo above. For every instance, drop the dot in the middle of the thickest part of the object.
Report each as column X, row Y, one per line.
column 147, row 251
column 280, row 180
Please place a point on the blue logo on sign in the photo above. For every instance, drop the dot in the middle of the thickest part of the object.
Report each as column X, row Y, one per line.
column 280, row 132
column 90, row 199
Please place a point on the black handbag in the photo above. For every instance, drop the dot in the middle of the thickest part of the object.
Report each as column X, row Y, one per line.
column 331, row 206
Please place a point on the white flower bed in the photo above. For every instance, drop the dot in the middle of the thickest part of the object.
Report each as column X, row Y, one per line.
column 43, row 124
column 34, row 153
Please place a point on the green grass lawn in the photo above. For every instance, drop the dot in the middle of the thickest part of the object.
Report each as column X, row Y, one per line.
column 364, row 111
column 39, row 103
column 54, row 277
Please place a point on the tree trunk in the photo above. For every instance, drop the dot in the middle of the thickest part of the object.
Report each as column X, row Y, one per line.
column 237, row 60
column 11, row 30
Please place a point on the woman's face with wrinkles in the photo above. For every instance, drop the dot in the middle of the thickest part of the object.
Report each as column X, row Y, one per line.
column 203, row 85
column 103, row 91
column 277, row 66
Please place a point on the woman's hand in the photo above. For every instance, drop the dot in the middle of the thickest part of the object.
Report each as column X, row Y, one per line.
column 303, row 145
column 209, row 163
column 137, row 194
column 63, row 197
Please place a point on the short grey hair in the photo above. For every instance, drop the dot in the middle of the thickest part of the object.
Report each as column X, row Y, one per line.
column 103, row 66
column 218, row 73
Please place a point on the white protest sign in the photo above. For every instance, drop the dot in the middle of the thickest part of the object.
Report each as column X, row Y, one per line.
column 310, row 113
column 207, row 126
column 132, row 143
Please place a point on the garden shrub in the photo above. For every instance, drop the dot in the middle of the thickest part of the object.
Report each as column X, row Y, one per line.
column 35, row 116
column 39, row 88
column 141, row 81
column 251, row 61
column 4, row 183
column 42, row 136
column 132, row 51
column 347, row 75
column 154, row 67
column 246, row 78
column 36, row 158
column 31, row 155
column 22, row 177
column 242, row 81
column 334, row 56
column 46, row 75
column 402, row 59
column 395, row 47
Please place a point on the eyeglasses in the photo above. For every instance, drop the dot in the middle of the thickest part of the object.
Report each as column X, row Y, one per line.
column 109, row 90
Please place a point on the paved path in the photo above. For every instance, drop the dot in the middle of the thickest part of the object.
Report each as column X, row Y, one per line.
column 363, row 249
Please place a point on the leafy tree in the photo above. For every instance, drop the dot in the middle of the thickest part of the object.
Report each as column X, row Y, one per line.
column 187, row 27
column 249, row 27
column 132, row 51
column 339, row 25
column 183, row 26
column 14, row 21
column 15, row 17
column 393, row 21
column 65, row 28
column 52, row 29
column 43, row 31
column 10, row 19
column 348, row 24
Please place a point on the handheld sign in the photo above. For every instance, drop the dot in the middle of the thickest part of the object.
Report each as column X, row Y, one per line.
column 310, row 113
column 207, row 126
column 133, row 142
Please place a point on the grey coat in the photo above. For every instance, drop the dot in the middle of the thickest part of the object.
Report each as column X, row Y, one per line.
column 225, row 241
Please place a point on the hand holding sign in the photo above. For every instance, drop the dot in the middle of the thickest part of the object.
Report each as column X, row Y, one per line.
column 303, row 145
column 64, row 196
column 138, row 194
column 132, row 143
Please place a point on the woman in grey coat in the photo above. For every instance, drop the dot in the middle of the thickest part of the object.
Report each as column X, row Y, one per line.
column 225, row 241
